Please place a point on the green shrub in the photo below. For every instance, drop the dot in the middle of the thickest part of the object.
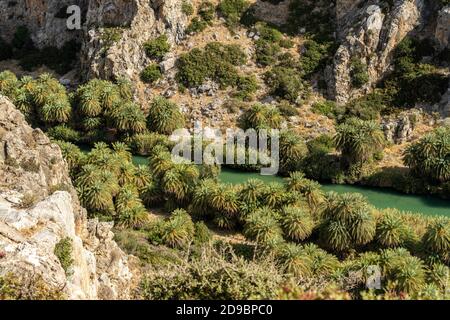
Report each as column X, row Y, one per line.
column 232, row 11
column 212, row 276
column 326, row 108
column 64, row 252
column 13, row 287
column 266, row 52
column 216, row 61
column 287, row 109
column 151, row 73
column 64, row 133
column 246, row 87
column 187, row 8
column 207, row 11
column 286, row 83
column 314, row 57
column 260, row 116
column 358, row 73
column 197, row 25
column 157, row 48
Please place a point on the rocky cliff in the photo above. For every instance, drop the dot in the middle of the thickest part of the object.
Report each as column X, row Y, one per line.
column 112, row 31
column 39, row 208
column 369, row 31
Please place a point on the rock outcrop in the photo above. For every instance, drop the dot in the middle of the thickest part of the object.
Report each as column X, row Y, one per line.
column 115, row 32
column 369, row 32
column 399, row 129
column 45, row 19
column 39, row 208
column 112, row 31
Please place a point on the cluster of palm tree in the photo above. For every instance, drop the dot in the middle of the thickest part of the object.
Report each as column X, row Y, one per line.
column 106, row 106
column 429, row 158
column 43, row 101
column 108, row 183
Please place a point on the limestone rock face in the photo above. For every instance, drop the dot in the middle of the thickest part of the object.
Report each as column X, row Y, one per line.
column 34, row 218
column 442, row 34
column 46, row 20
column 400, row 128
column 112, row 31
column 369, row 34
column 118, row 49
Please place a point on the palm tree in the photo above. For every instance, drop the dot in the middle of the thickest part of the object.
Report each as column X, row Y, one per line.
column 252, row 191
column 348, row 221
column 429, row 157
column 437, row 238
column 164, row 116
column 124, row 88
column 142, row 176
column 178, row 230
column 297, row 223
column 151, row 194
column 133, row 217
column 260, row 116
column 311, row 190
column 72, row 155
column 96, row 197
column 294, row 261
column 293, row 150
column 262, row 226
column 335, row 235
column 391, row 230
column 90, row 124
column 128, row 117
column 126, row 173
column 109, row 95
column 160, row 161
column 322, row 263
column 8, row 82
column 273, row 195
column 363, row 227
column 202, row 196
column 127, row 197
column 90, row 105
column 56, row 111
column 358, row 140
column 224, row 200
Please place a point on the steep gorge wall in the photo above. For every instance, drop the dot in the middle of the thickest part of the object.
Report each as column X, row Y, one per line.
column 370, row 30
column 112, row 32
column 34, row 218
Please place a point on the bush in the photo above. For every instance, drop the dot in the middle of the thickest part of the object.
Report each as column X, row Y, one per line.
column 216, row 61
column 151, row 73
column 212, row 276
column 232, row 11
column 187, row 8
column 286, row 83
column 358, row 73
column 63, row 251
column 287, row 109
column 64, row 133
column 207, row 11
column 157, row 48
column 326, row 108
column 246, row 87
column 266, row 52
column 196, row 26
column 314, row 57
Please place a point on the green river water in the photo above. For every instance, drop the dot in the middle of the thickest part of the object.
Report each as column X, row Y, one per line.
column 379, row 197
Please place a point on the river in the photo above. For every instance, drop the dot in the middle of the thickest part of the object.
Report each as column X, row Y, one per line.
column 379, row 197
